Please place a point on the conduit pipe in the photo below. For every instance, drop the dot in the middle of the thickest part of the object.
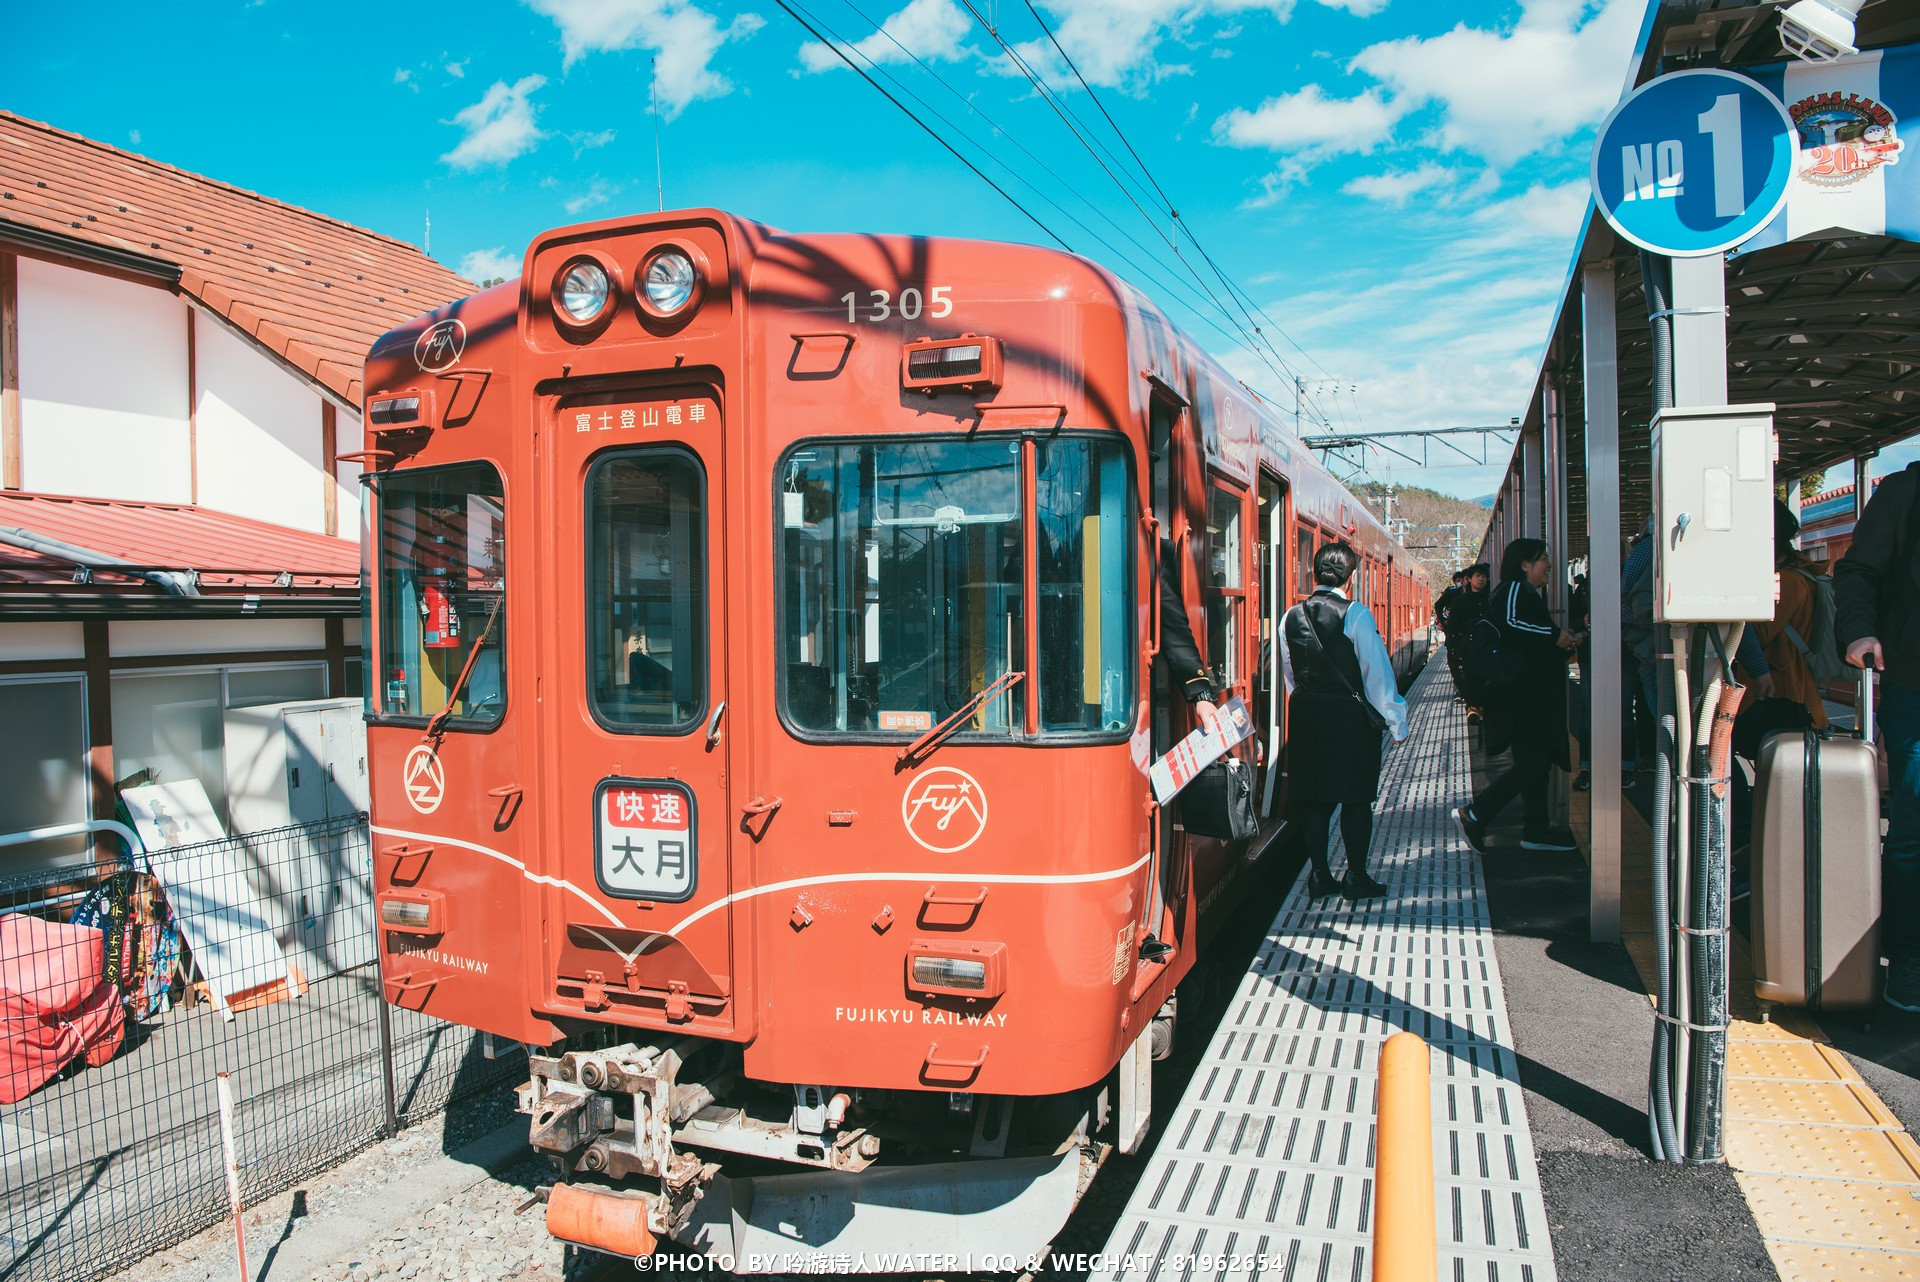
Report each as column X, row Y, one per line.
column 172, row 582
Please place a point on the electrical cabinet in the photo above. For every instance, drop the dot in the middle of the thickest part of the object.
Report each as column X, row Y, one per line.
column 304, row 762
column 1713, row 513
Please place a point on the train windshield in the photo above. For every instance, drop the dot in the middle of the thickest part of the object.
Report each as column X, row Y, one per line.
column 442, row 566
column 904, row 585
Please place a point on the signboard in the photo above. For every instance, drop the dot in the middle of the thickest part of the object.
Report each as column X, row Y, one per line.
column 1693, row 163
column 1848, row 173
column 643, row 839
column 1198, row 751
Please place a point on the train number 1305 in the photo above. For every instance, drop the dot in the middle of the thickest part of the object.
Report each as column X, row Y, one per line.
column 880, row 304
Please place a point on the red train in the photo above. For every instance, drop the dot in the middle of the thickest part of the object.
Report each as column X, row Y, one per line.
column 765, row 627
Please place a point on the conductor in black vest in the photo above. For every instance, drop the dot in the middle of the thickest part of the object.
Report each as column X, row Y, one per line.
column 1340, row 696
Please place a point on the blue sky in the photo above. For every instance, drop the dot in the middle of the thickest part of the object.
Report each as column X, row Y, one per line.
column 1395, row 183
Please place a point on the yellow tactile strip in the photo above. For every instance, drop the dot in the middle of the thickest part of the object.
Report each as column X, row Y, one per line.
column 1832, row 1179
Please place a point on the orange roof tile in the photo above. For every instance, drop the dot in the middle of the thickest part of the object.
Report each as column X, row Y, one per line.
column 232, row 553
column 311, row 289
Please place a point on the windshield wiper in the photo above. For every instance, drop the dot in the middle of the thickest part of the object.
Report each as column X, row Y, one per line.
column 922, row 748
column 437, row 726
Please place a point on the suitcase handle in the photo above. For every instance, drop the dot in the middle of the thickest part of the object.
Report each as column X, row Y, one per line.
column 1863, row 706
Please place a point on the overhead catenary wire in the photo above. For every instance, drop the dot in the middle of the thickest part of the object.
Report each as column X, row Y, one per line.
column 1101, row 157
column 1173, row 211
column 1172, row 284
column 822, row 32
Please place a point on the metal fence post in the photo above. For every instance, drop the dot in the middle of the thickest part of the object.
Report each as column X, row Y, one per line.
column 386, row 1052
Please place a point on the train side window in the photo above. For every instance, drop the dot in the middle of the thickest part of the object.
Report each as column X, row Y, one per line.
column 1226, row 595
column 442, row 585
column 1303, row 561
column 646, row 589
column 1084, row 512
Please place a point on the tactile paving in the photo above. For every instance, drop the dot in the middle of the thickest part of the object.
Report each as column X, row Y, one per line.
column 1265, row 1168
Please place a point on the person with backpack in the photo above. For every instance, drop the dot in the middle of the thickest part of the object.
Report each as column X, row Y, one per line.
column 1876, row 590
column 1798, row 641
column 1528, row 655
column 1341, row 694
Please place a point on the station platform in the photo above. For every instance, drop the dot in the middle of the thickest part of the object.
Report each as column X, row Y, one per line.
column 1265, row 1167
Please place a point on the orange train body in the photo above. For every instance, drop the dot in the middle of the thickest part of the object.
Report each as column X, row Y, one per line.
column 698, row 583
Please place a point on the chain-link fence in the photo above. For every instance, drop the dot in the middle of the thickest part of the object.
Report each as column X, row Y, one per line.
column 122, row 996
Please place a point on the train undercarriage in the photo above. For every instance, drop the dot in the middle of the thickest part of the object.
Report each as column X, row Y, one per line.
column 668, row 1141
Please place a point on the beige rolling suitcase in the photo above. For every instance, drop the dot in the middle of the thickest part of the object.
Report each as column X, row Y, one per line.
column 1816, row 879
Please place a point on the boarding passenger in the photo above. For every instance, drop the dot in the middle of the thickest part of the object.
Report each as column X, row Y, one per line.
column 1877, row 618
column 1531, row 715
column 1787, row 638
column 1340, row 695
column 1178, row 650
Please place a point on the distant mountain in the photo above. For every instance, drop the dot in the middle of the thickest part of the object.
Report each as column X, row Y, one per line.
column 1432, row 518
column 1486, row 501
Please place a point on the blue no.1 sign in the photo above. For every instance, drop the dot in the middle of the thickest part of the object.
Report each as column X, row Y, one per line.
column 1693, row 162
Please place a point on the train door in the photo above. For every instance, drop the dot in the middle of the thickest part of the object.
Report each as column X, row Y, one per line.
column 645, row 849
column 1163, row 472
column 1271, row 693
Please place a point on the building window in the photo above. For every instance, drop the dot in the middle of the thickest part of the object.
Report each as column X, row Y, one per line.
column 46, row 771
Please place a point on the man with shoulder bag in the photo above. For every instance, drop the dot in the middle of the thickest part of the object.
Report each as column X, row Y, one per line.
column 1341, row 695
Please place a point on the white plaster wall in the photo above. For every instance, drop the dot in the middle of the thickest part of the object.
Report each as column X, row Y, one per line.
column 347, row 440
column 103, row 386
column 209, row 636
column 23, row 641
column 259, row 433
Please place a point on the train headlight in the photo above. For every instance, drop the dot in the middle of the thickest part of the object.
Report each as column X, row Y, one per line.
column 949, row 972
column 670, row 282
column 582, row 291
column 416, row 912
column 957, row 967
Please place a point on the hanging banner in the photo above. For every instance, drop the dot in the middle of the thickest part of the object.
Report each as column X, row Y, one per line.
column 1852, row 171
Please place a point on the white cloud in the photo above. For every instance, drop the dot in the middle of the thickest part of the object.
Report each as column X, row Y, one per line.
column 485, row 264
column 1400, row 186
column 133, row 136
column 401, row 76
column 458, row 70
column 685, row 37
column 933, row 29
column 1504, row 96
column 499, row 127
column 1310, row 124
column 598, row 193
column 1545, row 214
column 590, row 141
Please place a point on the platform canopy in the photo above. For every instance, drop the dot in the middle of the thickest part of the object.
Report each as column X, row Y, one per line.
column 1825, row 324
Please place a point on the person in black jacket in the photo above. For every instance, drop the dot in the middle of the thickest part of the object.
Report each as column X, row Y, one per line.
column 1341, row 695
column 1178, row 650
column 1532, row 714
column 1876, row 597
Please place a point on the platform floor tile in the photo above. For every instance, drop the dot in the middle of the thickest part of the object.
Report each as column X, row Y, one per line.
column 1265, row 1169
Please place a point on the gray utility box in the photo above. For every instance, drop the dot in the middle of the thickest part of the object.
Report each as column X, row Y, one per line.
column 1713, row 513
column 305, row 762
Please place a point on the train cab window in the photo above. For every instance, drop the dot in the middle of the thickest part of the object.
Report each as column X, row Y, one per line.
column 646, row 589
column 1303, row 561
column 1226, row 594
column 442, row 585
column 901, row 580
column 1086, row 534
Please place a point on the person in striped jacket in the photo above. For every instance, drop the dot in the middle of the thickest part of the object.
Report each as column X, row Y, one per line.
column 1531, row 714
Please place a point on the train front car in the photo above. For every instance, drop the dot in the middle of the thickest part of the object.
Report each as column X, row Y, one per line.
column 765, row 628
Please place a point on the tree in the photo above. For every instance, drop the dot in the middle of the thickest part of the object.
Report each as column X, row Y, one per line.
column 1810, row 484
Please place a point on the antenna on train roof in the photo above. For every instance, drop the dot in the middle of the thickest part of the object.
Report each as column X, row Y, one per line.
column 653, row 100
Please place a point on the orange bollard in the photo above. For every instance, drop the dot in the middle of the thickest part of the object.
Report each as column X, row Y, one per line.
column 1404, row 1249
